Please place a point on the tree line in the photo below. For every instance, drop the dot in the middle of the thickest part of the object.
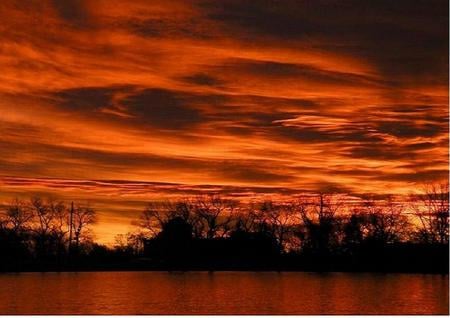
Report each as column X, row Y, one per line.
column 44, row 231
column 320, row 221
column 308, row 227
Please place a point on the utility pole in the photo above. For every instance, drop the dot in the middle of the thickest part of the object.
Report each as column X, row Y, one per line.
column 70, row 228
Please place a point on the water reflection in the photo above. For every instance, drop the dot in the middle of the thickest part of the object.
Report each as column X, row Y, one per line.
column 222, row 293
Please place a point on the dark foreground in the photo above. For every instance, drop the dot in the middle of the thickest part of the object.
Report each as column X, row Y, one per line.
column 195, row 235
column 399, row 258
column 222, row 293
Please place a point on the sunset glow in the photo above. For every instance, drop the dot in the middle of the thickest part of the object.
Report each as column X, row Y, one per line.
column 117, row 103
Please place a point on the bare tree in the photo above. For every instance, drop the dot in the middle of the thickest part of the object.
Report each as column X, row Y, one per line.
column 277, row 219
column 18, row 216
column 386, row 221
column 246, row 220
column 319, row 228
column 50, row 226
column 59, row 224
column 60, row 216
column 432, row 209
column 152, row 218
column 83, row 218
column 42, row 215
column 353, row 229
column 216, row 214
column 155, row 215
column 130, row 243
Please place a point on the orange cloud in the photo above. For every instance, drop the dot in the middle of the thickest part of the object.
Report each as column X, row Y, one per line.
column 175, row 98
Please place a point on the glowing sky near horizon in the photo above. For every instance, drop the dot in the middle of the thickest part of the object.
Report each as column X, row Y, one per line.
column 119, row 102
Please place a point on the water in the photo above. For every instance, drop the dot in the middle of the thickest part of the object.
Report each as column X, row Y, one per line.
column 222, row 293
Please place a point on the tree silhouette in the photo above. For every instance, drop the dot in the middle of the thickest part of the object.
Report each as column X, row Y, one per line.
column 386, row 221
column 83, row 217
column 216, row 214
column 276, row 219
column 319, row 231
column 353, row 230
column 432, row 209
column 18, row 216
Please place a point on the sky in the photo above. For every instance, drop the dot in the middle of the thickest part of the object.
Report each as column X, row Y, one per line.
column 120, row 102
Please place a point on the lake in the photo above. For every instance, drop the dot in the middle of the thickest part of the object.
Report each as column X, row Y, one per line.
column 222, row 293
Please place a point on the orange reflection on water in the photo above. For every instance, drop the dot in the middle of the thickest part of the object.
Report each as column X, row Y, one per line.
column 222, row 293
